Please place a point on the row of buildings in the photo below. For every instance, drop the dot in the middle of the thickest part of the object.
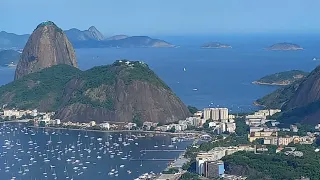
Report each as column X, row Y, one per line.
column 269, row 135
column 17, row 114
column 215, row 114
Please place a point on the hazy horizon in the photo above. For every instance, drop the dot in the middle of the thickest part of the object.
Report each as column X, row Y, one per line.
column 143, row 17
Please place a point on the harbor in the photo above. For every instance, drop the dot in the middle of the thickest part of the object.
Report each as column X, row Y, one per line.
column 47, row 153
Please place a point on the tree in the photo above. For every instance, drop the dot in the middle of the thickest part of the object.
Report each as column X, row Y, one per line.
column 137, row 119
column 206, row 124
column 192, row 109
column 173, row 129
column 171, row 171
column 189, row 176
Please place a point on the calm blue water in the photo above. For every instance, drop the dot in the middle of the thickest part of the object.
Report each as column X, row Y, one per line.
column 62, row 154
column 222, row 76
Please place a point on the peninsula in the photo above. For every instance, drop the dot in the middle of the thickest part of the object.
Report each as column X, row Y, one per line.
column 284, row 47
column 281, row 78
column 216, row 45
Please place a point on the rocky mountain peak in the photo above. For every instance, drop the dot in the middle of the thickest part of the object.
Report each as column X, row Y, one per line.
column 95, row 34
column 47, row 46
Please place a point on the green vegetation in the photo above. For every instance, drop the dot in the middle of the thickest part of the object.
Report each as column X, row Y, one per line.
column 192, row 109
column 46, row 85
column 187, row 165
column 172, row 130
column 189, row 176
column 170, row 171
column 231, row 140
column 206, row 124
column 137, row 119
column 95, row 87
column 296, row 115
column 276, row 166
column 49, row 23
column 283, row 78
column 280, row 96
column 240, row 137
column 102, row 79
column 242, row 128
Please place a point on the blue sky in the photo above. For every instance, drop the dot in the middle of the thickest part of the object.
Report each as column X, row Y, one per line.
column 164, row 17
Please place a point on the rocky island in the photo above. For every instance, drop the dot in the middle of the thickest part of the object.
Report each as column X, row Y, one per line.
column 215, row 45
column 9, row 58
column 48, row 79
column 282, row 78
column 284, row 47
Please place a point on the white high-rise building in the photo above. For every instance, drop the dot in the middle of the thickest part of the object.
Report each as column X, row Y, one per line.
column 224, row 113
column 206, row 113
column 215, row 114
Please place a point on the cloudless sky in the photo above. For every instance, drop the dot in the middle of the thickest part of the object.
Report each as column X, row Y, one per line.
column 164, row 17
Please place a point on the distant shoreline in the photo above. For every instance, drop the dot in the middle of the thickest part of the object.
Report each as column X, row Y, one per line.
column 216, row 47
column 255, row 103
column 270, row 84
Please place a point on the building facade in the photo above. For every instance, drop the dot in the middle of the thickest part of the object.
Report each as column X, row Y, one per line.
column 213, row 169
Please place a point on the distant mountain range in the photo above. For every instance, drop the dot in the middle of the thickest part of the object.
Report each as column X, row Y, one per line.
column 91, row 34
column 12, row 41
column 91, row 38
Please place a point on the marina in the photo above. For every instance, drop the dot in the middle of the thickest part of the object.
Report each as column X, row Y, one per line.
column 39, row 153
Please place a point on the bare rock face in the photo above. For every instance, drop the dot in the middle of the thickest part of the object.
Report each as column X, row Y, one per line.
column 47, row 46
column 308, row 91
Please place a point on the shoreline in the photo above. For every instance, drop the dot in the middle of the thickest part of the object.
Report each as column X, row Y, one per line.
column 255, row 103
column 113, row 131
column 270, row 84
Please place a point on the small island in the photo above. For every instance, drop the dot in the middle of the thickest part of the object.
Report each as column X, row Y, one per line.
column 284, row 47
column 216, row 45
column 282, row 78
